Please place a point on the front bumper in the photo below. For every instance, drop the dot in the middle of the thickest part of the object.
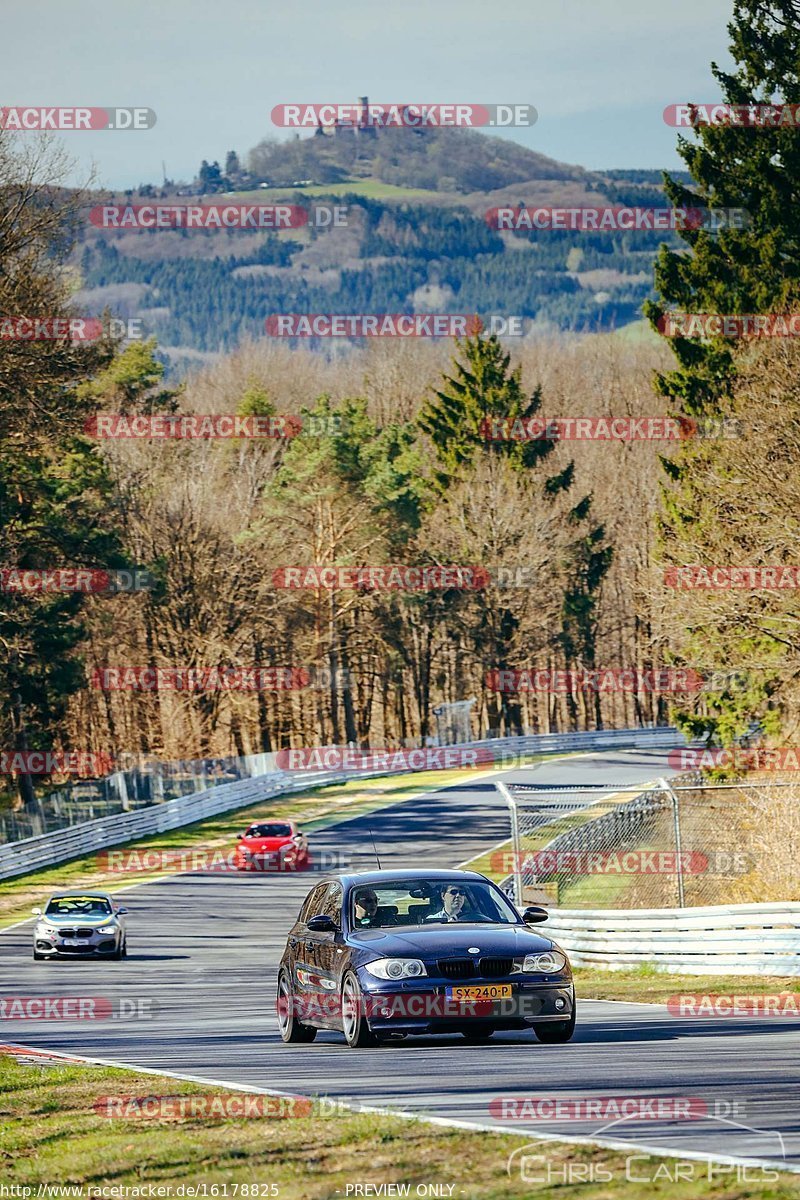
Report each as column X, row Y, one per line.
column 98, row 945
column 424, row 1006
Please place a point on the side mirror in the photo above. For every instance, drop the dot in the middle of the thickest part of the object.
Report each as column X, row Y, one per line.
column 37, row 912
column 122, row 910
column 322, row 924
column 532, row 916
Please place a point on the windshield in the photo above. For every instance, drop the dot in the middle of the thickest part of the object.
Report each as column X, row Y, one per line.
column 78, row 906
column 269, row 831
column 429, row 902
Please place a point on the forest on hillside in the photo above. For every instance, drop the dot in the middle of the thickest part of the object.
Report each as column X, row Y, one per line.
column 208, row 291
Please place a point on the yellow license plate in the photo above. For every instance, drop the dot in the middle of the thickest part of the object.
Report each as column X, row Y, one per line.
column 483, row 991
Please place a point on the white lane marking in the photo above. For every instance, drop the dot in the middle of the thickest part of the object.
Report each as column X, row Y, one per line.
column 446, row 1122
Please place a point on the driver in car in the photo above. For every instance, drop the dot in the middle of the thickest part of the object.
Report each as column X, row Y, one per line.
column 454, row 906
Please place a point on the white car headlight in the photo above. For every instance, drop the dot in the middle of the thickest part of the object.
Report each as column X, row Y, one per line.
column 396, row 968
column 107, row 929
column 547, row 963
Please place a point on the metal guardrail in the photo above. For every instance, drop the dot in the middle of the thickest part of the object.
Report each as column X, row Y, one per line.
column 29, row 854
column 140, row 785
column 736, row 939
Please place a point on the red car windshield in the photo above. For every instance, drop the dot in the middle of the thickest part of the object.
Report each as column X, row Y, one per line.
column 269, row 831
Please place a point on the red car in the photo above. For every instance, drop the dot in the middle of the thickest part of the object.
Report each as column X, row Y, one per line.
column 272, row 846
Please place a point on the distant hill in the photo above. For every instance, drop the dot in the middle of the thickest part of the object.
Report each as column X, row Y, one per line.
column 440, row 160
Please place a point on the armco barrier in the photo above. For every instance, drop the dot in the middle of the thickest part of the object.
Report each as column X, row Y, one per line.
column 29, row 854
column 735, row 939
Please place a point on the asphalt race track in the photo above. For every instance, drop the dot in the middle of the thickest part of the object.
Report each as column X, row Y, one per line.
column 204, row 950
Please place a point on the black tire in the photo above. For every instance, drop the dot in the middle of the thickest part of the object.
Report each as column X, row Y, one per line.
column 477, row 1035
column 554, row 1032
column 125, row 948
column 291, row 1030
column 356, row 1031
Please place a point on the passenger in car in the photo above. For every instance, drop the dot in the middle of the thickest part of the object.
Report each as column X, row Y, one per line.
column 369, row 914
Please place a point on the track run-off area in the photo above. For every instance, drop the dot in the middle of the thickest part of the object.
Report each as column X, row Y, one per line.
column 199, row 987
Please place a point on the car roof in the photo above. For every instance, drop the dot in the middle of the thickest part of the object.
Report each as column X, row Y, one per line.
column 436, row 873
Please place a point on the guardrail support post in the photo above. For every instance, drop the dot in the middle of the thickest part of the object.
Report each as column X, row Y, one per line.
column 515, row 842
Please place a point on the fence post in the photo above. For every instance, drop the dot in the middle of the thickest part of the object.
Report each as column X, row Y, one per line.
column 676, row 820
column 122, row 788
column 515, row 839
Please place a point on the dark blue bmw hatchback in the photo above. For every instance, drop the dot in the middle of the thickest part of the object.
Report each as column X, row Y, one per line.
column 383, row 954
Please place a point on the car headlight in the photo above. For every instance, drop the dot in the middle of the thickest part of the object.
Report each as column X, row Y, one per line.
column 547, row 963
column 107, row 929
column 396, row 968
column 46, row 931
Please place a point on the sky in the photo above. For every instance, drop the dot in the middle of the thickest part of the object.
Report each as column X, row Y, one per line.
column 599, row 74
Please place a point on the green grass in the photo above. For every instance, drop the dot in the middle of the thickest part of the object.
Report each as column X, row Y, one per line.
column 638, row 331
column 602, row 891
column 372, row 189
column 646, row 983
column 52, row 1134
